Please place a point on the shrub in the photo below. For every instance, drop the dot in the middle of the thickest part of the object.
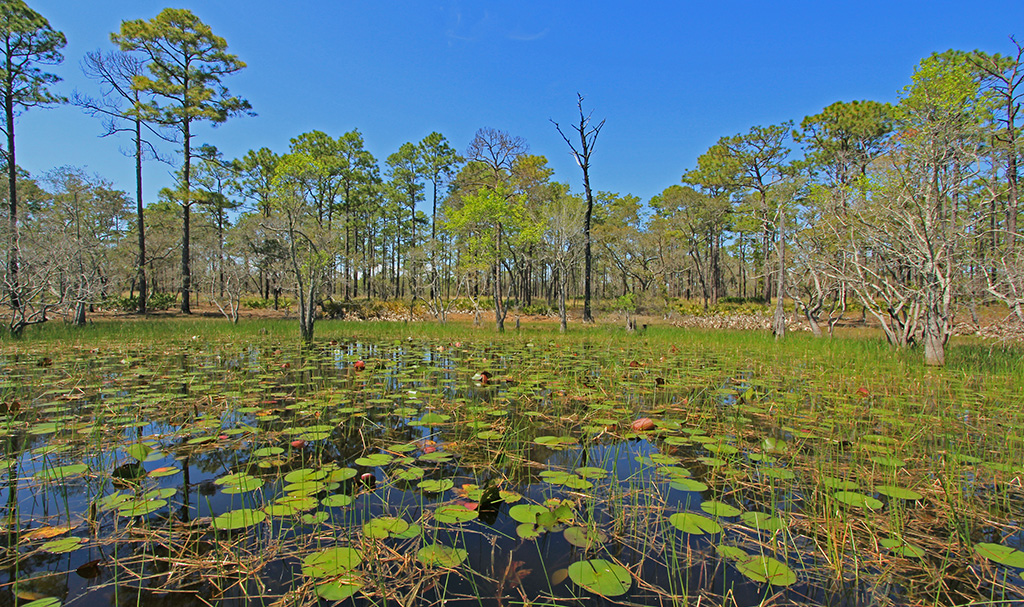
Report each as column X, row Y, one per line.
column 160, row 301
column 258, row 303
column 539, row 309
column 124, row 304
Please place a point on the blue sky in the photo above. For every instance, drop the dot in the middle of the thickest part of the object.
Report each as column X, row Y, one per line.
column 670, row 78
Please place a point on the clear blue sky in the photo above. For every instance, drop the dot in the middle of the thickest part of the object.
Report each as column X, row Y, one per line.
column 669, row 77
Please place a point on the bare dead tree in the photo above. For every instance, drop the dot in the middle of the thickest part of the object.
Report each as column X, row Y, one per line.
column 588, row 137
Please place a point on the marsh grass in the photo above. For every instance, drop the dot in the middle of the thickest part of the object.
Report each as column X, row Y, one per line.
column 768, row 428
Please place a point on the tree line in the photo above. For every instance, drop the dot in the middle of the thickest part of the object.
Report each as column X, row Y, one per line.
column 907, row 210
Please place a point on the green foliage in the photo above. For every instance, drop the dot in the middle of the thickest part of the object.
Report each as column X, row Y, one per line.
column 161, row 301
column 186, row 61
column 258, row 303
column 627, row 303
column 156, row 301
column 729, row 306
column 29, row 42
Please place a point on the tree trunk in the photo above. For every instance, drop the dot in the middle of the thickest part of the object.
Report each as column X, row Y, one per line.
column 143, row 293
column 563, row 319
column 12, row 194
column 934, row 338
column 186, row 207
column 79, row 319
column 779, row 318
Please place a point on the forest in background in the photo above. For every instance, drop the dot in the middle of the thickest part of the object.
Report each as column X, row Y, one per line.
column 907, row 211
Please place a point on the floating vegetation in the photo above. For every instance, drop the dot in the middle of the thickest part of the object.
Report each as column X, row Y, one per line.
column 644, row 471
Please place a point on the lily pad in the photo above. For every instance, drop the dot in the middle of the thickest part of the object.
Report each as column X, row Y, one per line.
column 65, row 544
column 556, row 442
column 1004, row 555
column 454, row 514
column 901, row 548
column 695, row 524
column 719, row 509
column 384, row 526
column 526, row 513
column 238, row 519
column 338, row 590
column 838, row 484
column 688, row 484
column 62, row 472
column 331, row 562
column 857, row 500
column 439, row 555
column 337, row 500
column 529, row 531
column 762, row 521
column 585, row 537
column 141, row 507
column 767, row 569
column 50, row 601
column 436, row 486
column 601, row 577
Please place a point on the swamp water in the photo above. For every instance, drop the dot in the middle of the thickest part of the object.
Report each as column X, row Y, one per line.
column 198, row 473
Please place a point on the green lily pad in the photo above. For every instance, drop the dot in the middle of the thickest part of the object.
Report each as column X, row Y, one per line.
column 438, row 555
column 338, row 500
column 243, row 484
column 139, row 451
column 838, row 484
column 304, row 475
column 409, row 474
column 784, row 474
column 1004, row 555
column 719, row 509
column 141, row 507
column 50, row 601
column 762, row 521
column 591, row 472
column 901, row 548
column 338, row 475
column 556, row 442
column 857, row 500
column 688, row 484
column 432, row 419
column 238, row 519
column 695, row 524
column 315, row 518
column 291, row 504
column 526, row 513
column 436, row 486
column 767, row 569
column 375, row 460
column 601, row 577
column 454, row 514
column 267, row 451
column 331, row 562
column 338, row 590
column 66, row 544
column 585, row 537
column 384, row 526
column 62, row 472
